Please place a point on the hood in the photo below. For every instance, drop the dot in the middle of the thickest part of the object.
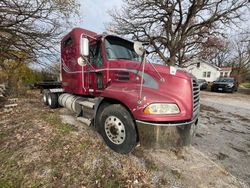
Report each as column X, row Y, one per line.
column 163, row 70
column 175, row 88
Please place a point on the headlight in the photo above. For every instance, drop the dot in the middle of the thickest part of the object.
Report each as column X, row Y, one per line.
column 230, row 85
column 161, row 108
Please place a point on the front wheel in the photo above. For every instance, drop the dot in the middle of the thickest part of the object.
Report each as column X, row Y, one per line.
column 117, row 128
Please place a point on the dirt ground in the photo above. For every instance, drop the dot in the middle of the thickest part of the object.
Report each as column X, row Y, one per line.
column 224, row 132
column 40, row 147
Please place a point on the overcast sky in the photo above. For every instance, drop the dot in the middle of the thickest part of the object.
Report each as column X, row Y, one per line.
column 94, row 14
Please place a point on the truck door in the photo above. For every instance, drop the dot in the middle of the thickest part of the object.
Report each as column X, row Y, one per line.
column 69, row 64
column 96, row 72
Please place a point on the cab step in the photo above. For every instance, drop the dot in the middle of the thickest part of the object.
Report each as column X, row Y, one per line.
column 84, row 120
column 87, row 104
column 92, row 99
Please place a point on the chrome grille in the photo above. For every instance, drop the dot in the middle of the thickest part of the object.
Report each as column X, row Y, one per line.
column 196, row 97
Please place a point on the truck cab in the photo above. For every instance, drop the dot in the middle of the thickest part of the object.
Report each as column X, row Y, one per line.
column 128, row 92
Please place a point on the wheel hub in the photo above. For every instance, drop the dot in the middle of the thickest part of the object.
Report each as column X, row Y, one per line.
column 115, row 130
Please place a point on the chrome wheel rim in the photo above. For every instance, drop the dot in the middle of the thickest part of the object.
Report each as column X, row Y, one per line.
column 115, row 130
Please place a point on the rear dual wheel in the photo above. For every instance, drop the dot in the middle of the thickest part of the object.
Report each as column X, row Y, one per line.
column 53, row 100
column 45, row 96
column 50, row 99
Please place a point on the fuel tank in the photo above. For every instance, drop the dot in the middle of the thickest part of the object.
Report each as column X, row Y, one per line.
column 70, row 102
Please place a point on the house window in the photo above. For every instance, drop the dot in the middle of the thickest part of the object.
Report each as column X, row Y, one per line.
column 204, row 74
column 208, row 74
column 198, row 65
column 226, row 74
column 221, row 74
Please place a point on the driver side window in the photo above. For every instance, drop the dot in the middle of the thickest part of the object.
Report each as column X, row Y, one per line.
column 95, row 54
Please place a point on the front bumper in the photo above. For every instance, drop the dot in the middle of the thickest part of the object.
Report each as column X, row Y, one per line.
column 222, row 88
column 165, row 135
column 168, row 124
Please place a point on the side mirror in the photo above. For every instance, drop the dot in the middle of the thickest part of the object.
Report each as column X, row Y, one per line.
column 81, row 61
column 139, row 49
column 84, row 46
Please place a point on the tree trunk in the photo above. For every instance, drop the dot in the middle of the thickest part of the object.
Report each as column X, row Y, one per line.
column 172, row 59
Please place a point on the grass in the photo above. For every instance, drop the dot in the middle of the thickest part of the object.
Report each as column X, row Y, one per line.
column 12, row 177
column 2, row 135
column 84, row 144
column 246, row 85
column 38, row 150
column 54, row 120
column 5, row 183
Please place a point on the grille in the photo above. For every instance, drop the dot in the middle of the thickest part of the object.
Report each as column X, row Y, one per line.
column 196, row 97
column 221, row 85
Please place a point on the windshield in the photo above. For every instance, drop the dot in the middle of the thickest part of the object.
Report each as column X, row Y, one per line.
column 225, row 80
column 117, row 48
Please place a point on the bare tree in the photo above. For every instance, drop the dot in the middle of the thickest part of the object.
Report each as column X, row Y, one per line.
column 217, row 51
column 241, row 59
column 176, row 29
column 33, row 27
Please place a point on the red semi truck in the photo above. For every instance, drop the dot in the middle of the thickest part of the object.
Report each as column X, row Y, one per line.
column 108, row 83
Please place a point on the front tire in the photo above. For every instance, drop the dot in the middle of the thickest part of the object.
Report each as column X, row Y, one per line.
column 117, row 128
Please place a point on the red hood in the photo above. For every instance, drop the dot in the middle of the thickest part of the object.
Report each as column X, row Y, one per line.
column 162, row 69
column 174, row 89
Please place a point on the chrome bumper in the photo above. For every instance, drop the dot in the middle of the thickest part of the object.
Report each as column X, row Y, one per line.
column 164, row 135
column 174, row 124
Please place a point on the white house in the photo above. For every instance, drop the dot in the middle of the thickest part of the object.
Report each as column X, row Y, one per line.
column 203, row 70
column 225, row 71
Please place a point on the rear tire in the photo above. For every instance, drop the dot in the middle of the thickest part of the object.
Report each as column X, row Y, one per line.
column 45, row 96
column 117, row 128
column 52, row 100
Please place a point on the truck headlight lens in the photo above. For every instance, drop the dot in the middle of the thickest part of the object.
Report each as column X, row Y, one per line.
column 161, row 108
